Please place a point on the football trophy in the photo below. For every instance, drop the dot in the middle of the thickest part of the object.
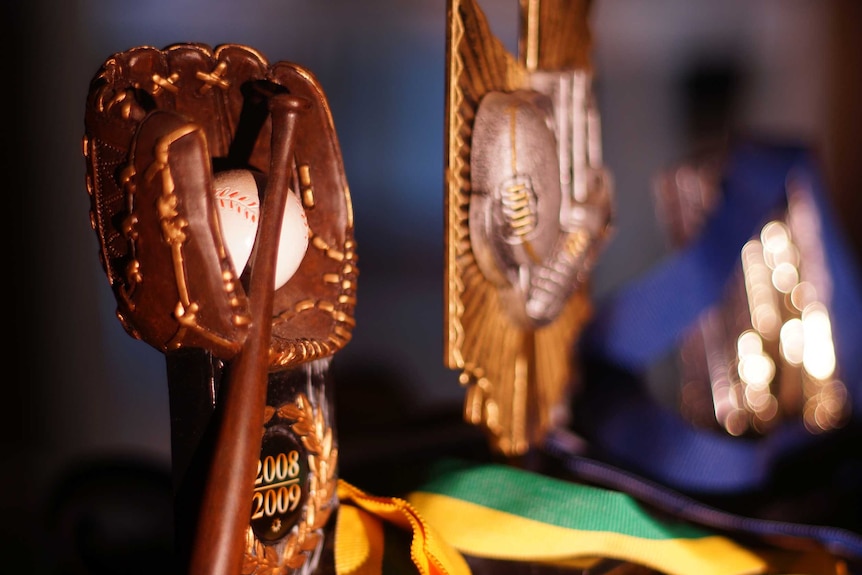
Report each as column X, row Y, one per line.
column 528, row 209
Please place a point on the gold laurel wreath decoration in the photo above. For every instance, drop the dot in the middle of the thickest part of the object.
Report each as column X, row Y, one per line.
column 292, row 552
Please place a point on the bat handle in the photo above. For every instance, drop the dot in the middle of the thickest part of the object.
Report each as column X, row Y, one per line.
column 226, row 504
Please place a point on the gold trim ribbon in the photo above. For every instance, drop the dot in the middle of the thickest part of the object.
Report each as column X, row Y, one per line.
column 359, row 536
column 501, row 512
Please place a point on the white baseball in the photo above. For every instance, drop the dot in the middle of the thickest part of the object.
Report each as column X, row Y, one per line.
column 238, row 203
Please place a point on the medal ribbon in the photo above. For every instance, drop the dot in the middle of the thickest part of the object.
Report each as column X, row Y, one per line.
column 501, row 512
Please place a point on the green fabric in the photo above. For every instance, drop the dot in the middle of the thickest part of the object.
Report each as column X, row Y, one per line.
column 552, row 501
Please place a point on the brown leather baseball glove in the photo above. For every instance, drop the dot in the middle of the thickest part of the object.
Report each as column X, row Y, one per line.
column 158, row 125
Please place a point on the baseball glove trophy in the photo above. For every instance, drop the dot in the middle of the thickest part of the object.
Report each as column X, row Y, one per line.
column 528, row 208
column 225, row 228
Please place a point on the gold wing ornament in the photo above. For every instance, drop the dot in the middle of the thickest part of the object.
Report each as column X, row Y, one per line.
column 528, row 207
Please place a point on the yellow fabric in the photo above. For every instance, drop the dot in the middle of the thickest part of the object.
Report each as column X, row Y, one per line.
column 358, row 542
column 483, row 532
column 430, row 552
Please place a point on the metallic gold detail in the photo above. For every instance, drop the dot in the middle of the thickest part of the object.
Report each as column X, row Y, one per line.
column 349, row 206
column 126, row 111
column 130, row 329
column 518, row 198
column 133, row 273
column 173, row 229
column 513, row 158
column 186, row 315
column 173, row 226
column 555, row 35
column 305, row 176
column 343, row 333
column 319, row 243
column 108, row 101
column 516, row 378
column 214, row 78
column 577, row 242
column 343, row 318
column 337, row 255
column 340, row 309
column 307, row 191
column 327, row 307
column 239, row 319
column 304, row 305
column 127, row 174
column 516, row 203
column 105, row 105
column 130, row 230
column 217, row 53
column 299, row 351
column 130, row 227
column 293, row 551
column 330, row 252
column 531, row 38
column 308, row 198
column 169, row 83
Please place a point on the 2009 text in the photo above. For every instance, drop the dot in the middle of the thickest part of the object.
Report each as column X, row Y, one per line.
column 277, row 488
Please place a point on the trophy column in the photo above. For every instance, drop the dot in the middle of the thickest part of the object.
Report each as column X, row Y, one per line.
column 176, row 141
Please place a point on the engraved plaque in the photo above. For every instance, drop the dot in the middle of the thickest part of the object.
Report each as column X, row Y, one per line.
column 281, row 484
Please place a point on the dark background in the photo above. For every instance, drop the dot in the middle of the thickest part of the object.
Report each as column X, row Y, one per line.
column 670, row 76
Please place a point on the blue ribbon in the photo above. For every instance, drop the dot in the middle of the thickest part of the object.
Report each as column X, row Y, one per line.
column 841, row 542
column 625, row 426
